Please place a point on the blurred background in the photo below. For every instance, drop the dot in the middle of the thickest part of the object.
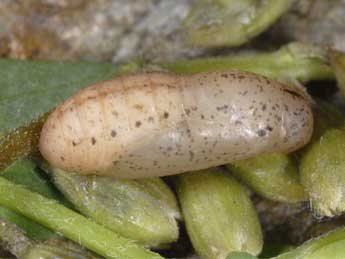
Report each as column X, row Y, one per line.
column 119, row 30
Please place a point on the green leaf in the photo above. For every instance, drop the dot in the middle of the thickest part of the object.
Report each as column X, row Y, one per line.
column 29, row 90
column 25, row 172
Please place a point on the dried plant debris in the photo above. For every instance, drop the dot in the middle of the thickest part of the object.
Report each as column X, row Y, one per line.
column 293, row 223
column 317, row 21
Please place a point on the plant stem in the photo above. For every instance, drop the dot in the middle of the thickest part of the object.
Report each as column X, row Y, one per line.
column 71, row 224
column 294, row 62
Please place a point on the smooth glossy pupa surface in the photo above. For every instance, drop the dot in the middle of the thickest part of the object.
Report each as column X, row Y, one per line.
column 156, row 124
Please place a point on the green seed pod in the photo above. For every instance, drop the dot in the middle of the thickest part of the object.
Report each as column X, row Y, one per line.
column 330, row 245
column 219, row 215
column 58, row 249
column 143, row 210
column 322, row 170
column 273, row 176
column 319, row 176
